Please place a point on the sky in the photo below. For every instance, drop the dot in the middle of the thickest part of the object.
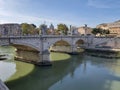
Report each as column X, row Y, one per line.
column 70, row 12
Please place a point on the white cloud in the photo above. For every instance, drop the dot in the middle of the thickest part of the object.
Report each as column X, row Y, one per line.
column 7, row 4
column 1, row 4
column 104, row 3
column 9, row 13
column 13, row 17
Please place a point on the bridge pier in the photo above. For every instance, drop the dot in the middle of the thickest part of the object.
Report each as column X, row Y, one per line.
column 44, row 58
column 74, row 50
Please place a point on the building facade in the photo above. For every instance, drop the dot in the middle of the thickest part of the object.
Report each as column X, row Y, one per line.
column 74, row 30
column 85, row 30
column 114, row 27
column 10, row 29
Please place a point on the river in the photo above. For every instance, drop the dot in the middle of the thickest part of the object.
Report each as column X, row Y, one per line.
column 76, row 72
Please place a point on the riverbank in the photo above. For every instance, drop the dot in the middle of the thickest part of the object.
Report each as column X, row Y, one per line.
column 43, row 63
column 104, row 53
column 58, row 49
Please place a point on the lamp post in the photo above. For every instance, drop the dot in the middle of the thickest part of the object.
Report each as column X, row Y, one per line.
column 70, row 31
column 85, row 29
column 86, row 35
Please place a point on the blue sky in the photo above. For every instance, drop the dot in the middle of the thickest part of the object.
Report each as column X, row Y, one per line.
column 70, row 12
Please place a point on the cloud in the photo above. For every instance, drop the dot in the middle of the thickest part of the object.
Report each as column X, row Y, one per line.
column 13, row 17
column 7, row 4
column 1, row 4
column 10, row 12
column 104, row 3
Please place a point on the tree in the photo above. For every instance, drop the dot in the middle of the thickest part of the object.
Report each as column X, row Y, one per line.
column 28, row 28
column 62, row 28
column 100, row 31
column 95, row 31
column 33, row 25
column 105, row 32
column 38, row 31
column 25, row 28
column 32, row 28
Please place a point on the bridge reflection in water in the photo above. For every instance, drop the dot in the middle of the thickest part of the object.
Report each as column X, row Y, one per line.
column 75, row 73
column 42, row 78
column 79, row 72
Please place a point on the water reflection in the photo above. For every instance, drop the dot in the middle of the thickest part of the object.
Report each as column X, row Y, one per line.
column 43, row 78
column 79, row 72
column 7, row 69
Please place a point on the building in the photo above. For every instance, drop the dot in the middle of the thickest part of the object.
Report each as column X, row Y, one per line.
column 84, row 30
column 103, row 26
column 10, row 29
column 114, row 27
column 74, row 30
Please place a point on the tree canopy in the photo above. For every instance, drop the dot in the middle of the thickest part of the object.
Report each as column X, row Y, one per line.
column 62, row 28
column 100, row 31
column 28, row 28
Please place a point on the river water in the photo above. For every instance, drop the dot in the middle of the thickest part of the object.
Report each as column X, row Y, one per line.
column 77, row 72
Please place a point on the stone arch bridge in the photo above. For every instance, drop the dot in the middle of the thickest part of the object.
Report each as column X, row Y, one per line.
column 41, row 44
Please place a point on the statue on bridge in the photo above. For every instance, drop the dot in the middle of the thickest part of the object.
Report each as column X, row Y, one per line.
column 43, row 29
column 51, row 29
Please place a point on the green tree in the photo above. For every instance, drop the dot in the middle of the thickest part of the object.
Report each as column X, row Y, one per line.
column 38, row 31
column 95, row 31
column 25, row 28
column 33, row 25
column 32, row 28
column 28, row 28
column 62, row 28
column 105, row 32
column 100, row 31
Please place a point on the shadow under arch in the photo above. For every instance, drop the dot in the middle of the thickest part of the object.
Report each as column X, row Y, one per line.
column 24, row 52
column 60, row 46
column 61, row 43
column 80, row 45
column 79, row 42
column 24, row 47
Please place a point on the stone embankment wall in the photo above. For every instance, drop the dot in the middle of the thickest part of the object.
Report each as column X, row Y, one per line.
column 66, row 49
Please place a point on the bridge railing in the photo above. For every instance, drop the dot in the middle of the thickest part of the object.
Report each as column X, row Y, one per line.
column 6, row 36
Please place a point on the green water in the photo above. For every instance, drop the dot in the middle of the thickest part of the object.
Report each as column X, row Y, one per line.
column 78, row 72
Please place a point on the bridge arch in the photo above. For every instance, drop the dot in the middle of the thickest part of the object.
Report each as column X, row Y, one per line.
column 60, row 46
column 26, row 53
column 79, row 42
column 61, row 43
column 57, row 41
column 25, row 47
